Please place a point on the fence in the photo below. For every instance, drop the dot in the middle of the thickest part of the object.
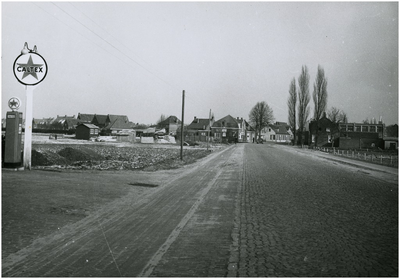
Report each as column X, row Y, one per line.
column 377, row 157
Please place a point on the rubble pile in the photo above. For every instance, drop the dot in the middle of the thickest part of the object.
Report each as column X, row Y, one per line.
column 103, row 157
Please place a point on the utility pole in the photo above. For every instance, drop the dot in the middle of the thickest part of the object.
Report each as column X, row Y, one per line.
column 209, row 128
column 183, row 110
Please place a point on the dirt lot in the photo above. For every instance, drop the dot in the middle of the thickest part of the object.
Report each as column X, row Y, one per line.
column 68, row 153
column 70, row 181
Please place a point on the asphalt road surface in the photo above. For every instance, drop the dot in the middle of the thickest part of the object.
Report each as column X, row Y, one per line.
column 250, row 210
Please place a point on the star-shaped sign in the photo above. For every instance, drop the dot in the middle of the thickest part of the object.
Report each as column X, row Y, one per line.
column 30, row 68
column 14, row 103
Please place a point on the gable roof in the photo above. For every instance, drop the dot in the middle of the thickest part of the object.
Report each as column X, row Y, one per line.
column 61, row 119
column 280, row 129
column 229, row 122
column 42, row 121
column 169, row 120
column 112, row 118
column 85, row 117
column 199, row 124
column 100, row 118
column 118, row 123
column 71, row 122
column 248, row 126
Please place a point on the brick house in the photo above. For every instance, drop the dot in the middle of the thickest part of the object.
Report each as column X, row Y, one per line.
column 226, row 130
column 199, row 128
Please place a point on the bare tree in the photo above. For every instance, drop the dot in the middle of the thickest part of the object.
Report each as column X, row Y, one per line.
column 336, row 115
column 292, row 103
column 320, row 97
column 304, row 100
column 366, row 121
column 343, row 117
column 333, row 114
column 261, row 115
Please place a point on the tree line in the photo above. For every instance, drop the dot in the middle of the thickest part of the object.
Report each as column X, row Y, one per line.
column 261, row 115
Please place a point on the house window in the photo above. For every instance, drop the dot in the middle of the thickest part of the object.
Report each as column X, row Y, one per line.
column 350, row 128
column 372, row 128
column 358, row 128
column 364, row 128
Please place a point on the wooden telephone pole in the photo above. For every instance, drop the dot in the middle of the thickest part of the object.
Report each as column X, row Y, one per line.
column 183, row 110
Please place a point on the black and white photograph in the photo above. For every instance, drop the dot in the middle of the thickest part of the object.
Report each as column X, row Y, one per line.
column 199, row 139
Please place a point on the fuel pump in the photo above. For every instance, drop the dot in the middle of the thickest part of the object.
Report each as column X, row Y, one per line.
column 13, row 138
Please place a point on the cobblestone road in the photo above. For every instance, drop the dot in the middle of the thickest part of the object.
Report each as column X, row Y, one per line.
column 305, row 217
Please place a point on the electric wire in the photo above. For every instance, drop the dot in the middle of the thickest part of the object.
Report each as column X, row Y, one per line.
column 196, row 97
column 100, row 37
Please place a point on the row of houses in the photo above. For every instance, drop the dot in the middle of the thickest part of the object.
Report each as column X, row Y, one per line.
column 225, row 130
column 107, row 124
column 230, row 129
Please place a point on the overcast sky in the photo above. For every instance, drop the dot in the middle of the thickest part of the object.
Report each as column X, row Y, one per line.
column 135, row 58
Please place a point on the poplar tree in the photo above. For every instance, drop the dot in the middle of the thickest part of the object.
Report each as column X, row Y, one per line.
column 304, row 100
column 292, row 103
column 320, row 97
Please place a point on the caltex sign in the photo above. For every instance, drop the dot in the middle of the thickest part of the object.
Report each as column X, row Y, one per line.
column 30, row 68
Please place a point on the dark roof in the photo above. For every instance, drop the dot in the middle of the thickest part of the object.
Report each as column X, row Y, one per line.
column 169, row 120
column 43, row 120
column 248, row 126
column 280, row 129
column 199, row 124
column 230, row 122
column 91, row 126
column 62, row 119
column 100, row 118
column 71, row 122
column 113, row 118
column 85, row 117
column 119, row 123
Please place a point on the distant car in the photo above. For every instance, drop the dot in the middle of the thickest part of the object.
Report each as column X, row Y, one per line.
column 260, row 140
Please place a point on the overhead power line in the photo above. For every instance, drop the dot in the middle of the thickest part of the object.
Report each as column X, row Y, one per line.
column 106, row 41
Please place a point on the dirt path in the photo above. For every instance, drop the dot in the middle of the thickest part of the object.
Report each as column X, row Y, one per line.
column 122, row 237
